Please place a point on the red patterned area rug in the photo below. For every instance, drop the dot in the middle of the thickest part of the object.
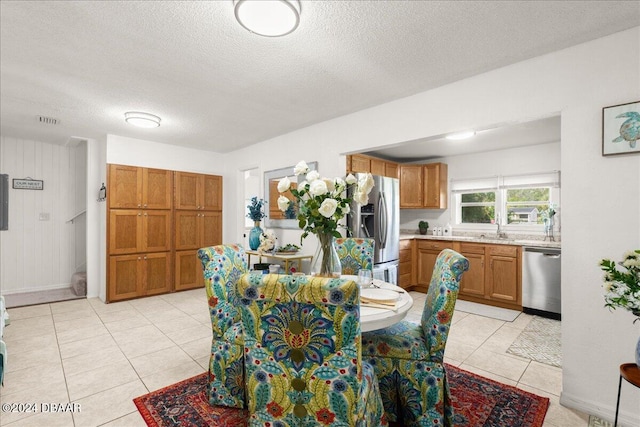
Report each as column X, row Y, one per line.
column 478, row 402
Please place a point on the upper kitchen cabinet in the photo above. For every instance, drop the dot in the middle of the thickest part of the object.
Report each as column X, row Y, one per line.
column 132, row 187
column 198, row 192
column 362, row 163
column 423, row 186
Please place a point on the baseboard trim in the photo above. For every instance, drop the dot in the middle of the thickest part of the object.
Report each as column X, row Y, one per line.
column 36, row 289
column 606, row 412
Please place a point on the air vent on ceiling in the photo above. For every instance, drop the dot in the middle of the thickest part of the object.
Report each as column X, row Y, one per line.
column 47, row 120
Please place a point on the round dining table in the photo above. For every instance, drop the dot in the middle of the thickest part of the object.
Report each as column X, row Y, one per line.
column 378, row 317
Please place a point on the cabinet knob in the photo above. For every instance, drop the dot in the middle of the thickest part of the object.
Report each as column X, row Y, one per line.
column 139, row 205
column 145, row 214
column 145, row 257
column 145, row 205
column 139, row 214
column 139, row 258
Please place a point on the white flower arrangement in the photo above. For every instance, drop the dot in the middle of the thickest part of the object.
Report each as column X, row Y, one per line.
column 622, row 288
column 321, row 201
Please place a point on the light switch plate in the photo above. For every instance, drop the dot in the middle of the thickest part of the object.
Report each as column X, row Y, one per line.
column 44, row 216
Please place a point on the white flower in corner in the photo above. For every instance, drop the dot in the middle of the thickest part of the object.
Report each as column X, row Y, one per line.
column 328, row 207
column 283, row 203
column 300, row 168
column 330, row 184
column 317, row 187
column 284, row 184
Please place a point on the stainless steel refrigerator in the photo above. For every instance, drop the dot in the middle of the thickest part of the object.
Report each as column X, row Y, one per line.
column 380, row 220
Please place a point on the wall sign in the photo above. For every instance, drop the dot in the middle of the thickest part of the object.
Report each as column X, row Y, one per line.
column 28, row 184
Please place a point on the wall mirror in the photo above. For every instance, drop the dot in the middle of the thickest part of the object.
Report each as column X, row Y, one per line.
column 275, row 217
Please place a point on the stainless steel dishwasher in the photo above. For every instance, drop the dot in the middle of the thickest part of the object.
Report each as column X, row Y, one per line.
column 541, row 281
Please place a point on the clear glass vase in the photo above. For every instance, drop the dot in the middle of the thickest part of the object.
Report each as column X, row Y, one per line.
column 326, row 262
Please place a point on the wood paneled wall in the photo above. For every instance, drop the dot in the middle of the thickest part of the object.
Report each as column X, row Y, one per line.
column 42, row 254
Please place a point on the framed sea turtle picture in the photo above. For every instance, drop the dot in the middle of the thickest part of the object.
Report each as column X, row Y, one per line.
column 621, row 129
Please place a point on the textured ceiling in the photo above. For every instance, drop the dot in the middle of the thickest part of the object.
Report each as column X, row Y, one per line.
column 218, row 87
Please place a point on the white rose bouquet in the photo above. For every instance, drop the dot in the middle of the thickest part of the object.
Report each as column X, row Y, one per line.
column 322, row 202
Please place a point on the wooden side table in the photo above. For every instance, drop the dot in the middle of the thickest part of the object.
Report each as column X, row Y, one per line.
column 631, row 373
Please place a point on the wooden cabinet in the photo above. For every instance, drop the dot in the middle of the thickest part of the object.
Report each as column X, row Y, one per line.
column 363, row 163
column 157, row 222
column 132, row 231
column 405, row 266
column 198, row 192
column 427, row 252
column 424, row 186
column 144, row 188
column 494, row 275
column 472, row 282
column 136, row 275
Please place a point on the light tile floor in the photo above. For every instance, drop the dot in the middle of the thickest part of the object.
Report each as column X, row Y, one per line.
column 101, row 356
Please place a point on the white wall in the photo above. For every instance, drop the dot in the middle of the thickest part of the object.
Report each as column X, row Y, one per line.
column 600, row 196
column 40, row 254
column 513, row 161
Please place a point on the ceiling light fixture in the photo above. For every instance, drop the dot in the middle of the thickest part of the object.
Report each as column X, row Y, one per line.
column 269, row 18
column 461, row 135
column 142, row 120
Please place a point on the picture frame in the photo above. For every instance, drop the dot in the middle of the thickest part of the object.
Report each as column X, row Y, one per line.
column 621, row 129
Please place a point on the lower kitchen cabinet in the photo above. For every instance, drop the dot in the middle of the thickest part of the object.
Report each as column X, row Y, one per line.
column 427, row 252
column 137, row 275
column 405, row 265
column 494, row 276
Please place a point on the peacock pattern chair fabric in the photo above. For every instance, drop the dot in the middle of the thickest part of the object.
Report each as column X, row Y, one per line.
column 222, row 266
column 303, row 359
column 355, row 254
column 408, row 358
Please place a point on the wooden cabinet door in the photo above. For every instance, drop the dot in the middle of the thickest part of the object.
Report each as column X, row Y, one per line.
column 125, row 231
column 187, row 190
column 211, row 233
column 157, row 273
column 125, row 187
column 188, row 270
column 360, row 163
column 411, row 192
column 126, row 277
column 391, row 169
column 156, row 236
column 157, row 191
column 405, row 264
column 428, row 251
column 435, row 186
column 187, row 230
column 472, row 282
column 377, row 167
column 502, row 273
column 211, row 193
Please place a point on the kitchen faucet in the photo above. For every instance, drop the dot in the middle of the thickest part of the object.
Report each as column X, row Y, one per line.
column 499, row 233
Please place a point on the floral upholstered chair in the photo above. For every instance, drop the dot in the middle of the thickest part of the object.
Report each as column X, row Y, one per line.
column 303, row 354
column 408, row 358
column 355, row 254
column 222, row 266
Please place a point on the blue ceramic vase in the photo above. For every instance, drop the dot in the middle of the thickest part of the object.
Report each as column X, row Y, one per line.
column 254, row 236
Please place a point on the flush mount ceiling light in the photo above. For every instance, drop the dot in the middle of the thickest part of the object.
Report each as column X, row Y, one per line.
column 461, row 135
column 269, row 18
column 142, row 120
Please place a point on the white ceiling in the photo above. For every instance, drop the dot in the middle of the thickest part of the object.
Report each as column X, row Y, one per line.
column 218, row 87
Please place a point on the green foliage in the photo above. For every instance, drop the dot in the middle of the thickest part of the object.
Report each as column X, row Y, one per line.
column 423, row 225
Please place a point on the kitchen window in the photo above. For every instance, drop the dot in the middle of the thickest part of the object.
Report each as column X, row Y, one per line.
column 519, row 202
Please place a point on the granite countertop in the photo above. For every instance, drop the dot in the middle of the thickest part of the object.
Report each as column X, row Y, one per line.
column 516, row 240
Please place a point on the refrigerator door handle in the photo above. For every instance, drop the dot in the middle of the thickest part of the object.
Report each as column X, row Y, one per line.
column 382, row 209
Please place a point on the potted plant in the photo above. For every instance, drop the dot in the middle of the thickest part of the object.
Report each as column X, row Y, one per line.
column 423, row 226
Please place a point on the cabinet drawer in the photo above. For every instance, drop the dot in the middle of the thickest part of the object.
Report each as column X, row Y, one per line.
column 472, row 248
column 435, row 244
column 503, row 250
